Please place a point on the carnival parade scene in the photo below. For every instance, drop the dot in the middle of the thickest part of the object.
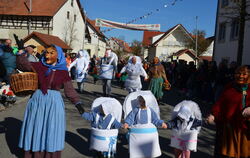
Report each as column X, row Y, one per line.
column 124, row 79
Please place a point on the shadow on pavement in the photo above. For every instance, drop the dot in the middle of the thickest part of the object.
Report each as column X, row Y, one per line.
column 77, row 143
column 12, row 132
column 122, row 152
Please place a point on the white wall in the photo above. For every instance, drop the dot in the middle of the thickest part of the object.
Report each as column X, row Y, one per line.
column 209, row 51
column 171, row 44
column 228, row 48
column 21, row 33
column 62, row 25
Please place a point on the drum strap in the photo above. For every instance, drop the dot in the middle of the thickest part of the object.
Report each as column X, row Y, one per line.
column 111, row 122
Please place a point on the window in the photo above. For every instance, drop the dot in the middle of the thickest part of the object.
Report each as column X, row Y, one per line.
column 234, row 30
column 67, row 14
column 224, row 3
column 222, row 32
column 74, row 18
column 72, row 3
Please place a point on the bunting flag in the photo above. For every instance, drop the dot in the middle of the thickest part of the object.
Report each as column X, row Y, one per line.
column 141, row 27
column 145, row 15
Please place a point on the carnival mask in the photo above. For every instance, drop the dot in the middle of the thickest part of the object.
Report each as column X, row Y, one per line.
column 156, row 60
column 51, row 56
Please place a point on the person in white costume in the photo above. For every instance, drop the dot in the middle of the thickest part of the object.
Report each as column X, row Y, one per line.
column 105, row 118
column 185, row 124
column 143, row 134
column 134, row 70
column 107, row 70
column 81, row 64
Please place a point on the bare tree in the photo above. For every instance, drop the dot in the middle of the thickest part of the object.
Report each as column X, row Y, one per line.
column 70, row 30
column 136, row 48
column 202, row 42
column 238, row 11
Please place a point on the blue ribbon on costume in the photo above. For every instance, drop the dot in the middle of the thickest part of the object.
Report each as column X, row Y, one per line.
column 142, row 130
column 112, row 141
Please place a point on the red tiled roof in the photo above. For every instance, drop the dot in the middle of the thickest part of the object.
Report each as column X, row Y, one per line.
column 169, row 31
column 148, row 35
column 123, row 44
column 48, row 40
column 208, row 58
column 39, row 7
column 187, row 51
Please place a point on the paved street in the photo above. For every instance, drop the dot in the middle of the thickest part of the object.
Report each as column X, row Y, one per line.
column 78, row 130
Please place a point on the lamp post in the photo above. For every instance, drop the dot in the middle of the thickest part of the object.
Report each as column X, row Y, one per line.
column 196, row 39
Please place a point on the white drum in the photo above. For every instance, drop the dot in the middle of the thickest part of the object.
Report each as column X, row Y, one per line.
column 184, row 140
column 144, row 141
column 103, row 140
column 106, row 71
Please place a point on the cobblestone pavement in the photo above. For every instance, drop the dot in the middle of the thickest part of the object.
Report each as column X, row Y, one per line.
column 78, row 130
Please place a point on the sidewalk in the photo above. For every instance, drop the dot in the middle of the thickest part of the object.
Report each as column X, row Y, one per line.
column 19, row 99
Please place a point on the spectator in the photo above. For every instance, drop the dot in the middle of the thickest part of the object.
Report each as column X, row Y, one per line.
column 32, row 55
column 8, row 59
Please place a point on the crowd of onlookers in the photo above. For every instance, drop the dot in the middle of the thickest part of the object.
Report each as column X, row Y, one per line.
column 205, row 81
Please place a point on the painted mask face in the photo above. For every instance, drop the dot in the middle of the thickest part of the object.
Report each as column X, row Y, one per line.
column 51, row 56
column 156, row 60
column 242, row 75
column 134, row 60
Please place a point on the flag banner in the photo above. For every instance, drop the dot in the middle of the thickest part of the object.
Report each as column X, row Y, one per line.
column 142, row 27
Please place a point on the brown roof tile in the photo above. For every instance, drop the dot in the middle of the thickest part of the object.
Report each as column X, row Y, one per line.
column 148, row 35
column 39, row 7
column 122, row 44
column 48, row 40
column 208, row 58
column 187, row 51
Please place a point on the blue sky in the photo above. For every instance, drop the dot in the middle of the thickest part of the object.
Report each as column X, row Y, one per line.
column 183, row 12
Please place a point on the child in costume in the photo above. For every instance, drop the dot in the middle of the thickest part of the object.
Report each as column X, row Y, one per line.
column 105, row 118
column 185, row 124
column 142, row 121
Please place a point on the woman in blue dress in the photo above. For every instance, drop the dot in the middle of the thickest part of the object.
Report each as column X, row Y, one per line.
column 43, row 129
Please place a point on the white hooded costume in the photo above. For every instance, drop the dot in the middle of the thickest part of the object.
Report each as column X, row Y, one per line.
column 185, row 138
column 134, row 71
column 81, row 64
column 143, row 138
column 109, row 66
column 105, row 140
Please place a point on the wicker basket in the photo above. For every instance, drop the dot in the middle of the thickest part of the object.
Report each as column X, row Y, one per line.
column 23, row 83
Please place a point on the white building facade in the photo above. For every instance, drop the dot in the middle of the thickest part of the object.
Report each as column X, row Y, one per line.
column 227, row 34
column 169, row 43
column 95, row 43
column 62, row 18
